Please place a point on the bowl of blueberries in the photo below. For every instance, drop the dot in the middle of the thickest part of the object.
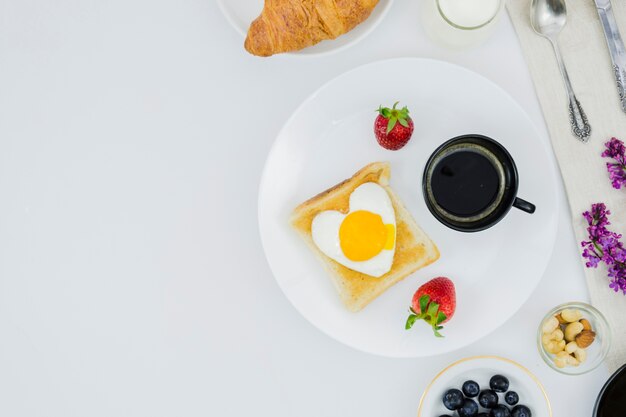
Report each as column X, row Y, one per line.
column 484, row 386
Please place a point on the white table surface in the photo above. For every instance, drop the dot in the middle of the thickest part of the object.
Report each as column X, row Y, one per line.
column 132, row 278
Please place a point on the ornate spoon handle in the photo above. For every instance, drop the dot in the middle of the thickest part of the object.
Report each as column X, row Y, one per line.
column 577, row 117
column 614, row 41
column 621, row 82
column 578, row 120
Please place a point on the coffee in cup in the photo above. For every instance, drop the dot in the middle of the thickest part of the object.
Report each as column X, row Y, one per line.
column 470, row 183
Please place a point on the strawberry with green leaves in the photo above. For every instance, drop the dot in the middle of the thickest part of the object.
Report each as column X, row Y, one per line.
column 433, row 302
column 393, row 127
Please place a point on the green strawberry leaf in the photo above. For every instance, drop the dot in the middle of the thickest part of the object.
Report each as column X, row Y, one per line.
column 410, row 321
column 424, row 300
column 429, row 312
column 433, row 308
column 395, row 116
column 441, row 317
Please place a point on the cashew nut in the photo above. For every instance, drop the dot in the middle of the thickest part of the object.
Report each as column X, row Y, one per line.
column 571, row 347
column 572, row 361
column 581, row 355
column 556, row 347
column 560, row 360
column 571, row 315
column 550, row 325
column 557, row 335
column 572, row 330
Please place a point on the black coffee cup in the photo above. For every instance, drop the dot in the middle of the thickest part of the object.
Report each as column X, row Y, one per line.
column 611, row 401
column 470, row 183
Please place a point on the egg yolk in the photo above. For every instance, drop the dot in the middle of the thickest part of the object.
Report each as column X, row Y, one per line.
column 363, row 235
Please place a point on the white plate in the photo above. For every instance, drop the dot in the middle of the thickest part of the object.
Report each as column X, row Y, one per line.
column 240, row 13
column 481, row 369
column 330, row 136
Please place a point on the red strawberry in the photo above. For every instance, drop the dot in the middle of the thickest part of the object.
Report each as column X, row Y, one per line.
column 393, row 127
column 433, row 302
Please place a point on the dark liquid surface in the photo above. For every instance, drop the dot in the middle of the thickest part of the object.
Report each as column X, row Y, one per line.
column 613, row 402
column 465, row 183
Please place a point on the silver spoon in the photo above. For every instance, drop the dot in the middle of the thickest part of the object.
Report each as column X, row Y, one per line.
column 547, row 17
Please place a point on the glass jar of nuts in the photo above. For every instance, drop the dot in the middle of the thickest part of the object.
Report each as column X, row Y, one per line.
column 573, row 338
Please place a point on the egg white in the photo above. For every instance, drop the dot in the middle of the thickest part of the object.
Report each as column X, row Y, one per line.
column 325, row 229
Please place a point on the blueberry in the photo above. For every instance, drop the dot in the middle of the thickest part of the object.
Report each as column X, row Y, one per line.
column 500, row 411
column 499, row 383
column 482, row 415
column 453, row 399
column 521, row 411
column 470, row 389
column 488, row 398
column 511, row 398
column 468, row 409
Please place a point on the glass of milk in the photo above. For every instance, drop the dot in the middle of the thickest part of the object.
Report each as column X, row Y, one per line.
column 460, row 23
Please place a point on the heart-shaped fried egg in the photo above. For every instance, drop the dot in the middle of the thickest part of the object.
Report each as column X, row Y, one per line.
column 364, row 239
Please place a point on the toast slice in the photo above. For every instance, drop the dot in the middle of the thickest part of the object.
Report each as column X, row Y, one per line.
column 414, row 249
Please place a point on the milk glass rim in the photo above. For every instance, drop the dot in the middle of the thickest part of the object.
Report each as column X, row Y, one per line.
column 455, row 25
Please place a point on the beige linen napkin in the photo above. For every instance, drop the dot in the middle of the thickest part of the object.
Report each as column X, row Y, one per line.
column 584, row 172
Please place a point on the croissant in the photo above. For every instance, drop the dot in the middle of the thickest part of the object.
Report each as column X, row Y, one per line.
column 291, row 25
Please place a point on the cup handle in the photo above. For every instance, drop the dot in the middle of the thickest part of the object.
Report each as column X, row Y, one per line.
column 524, row 205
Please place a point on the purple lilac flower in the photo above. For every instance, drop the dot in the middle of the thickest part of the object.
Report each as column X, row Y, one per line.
column 605, row 246
column 617, row 170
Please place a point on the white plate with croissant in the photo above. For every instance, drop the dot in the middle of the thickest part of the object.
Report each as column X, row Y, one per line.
column 307, row 211
column 305, row 28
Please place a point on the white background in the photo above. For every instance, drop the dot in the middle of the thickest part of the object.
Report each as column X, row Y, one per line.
column 132, row 279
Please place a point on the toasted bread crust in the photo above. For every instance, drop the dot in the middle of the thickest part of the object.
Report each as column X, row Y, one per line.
column 414, row 249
